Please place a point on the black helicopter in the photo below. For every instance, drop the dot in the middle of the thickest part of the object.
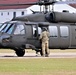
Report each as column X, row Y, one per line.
column 23, row 32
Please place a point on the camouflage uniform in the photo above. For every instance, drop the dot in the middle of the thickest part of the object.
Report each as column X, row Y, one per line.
column 45, row 44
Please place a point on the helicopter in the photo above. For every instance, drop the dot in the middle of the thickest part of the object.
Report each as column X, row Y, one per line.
column 23, row 32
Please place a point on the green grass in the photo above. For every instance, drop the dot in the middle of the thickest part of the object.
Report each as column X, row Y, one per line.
column 36, row 66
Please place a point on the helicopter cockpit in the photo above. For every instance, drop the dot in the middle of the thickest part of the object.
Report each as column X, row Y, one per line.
column 11, row 31
column 18, row 35
column 23, row 32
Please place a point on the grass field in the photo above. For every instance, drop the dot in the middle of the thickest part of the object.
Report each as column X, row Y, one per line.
column 38, row 66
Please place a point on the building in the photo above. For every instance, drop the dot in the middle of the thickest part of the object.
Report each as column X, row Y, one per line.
column 73, row 5
column 9, row 12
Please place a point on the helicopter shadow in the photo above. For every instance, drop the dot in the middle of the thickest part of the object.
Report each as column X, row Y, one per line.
column 26, row 56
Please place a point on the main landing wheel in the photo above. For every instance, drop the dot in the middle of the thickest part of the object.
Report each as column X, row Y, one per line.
column 20, row 53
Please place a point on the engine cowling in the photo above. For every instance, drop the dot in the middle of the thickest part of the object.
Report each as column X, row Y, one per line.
column 61, row 17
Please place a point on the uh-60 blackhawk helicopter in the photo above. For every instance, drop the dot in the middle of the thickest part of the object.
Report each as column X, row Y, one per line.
column 23, row 32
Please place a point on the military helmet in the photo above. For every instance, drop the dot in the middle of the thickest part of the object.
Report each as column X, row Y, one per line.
column 44, row 29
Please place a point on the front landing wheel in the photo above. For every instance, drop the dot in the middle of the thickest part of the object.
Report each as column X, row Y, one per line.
column 20, row 53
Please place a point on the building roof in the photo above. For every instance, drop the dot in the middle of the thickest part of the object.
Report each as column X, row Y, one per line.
column 20, row 1
column 73, row 5
column 15, row 2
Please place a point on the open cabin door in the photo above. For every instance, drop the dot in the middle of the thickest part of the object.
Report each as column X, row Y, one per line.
column 33, row 33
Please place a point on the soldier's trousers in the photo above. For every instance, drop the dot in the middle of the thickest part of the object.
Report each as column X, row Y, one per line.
column 45, row 48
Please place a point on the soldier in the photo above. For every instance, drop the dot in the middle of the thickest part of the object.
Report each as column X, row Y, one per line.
column 44, row 37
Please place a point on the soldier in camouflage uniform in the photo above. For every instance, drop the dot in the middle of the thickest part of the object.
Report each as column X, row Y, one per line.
column 45, row 42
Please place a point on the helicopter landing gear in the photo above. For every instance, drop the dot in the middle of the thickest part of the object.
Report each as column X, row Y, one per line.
column 41, row 53
column 20, row 53
column 37, row 50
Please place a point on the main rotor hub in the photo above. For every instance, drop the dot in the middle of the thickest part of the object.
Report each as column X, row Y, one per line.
column 46, row 2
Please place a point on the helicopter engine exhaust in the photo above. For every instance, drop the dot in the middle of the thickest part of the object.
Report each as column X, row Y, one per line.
column 61, row 17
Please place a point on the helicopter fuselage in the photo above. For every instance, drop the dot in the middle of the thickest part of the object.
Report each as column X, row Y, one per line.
column 62, row 35
column 24, row 32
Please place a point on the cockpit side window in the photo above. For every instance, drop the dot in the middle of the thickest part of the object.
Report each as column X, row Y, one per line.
column 19, row 29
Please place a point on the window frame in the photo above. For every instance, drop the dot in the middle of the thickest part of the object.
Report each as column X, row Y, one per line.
column 53, row 30
column 20, row 30
column 64, row 31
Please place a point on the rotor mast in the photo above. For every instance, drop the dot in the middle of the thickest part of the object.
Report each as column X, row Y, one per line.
column 46, row 6
column 46, row 3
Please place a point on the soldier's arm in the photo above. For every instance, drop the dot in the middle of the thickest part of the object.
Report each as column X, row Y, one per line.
column 40, row 36
column 48, row 34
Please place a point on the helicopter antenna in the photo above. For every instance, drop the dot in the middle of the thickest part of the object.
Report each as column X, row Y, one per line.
column 32, row 11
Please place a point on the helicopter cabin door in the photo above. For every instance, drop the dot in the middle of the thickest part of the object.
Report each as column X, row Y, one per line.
column 18, row 35
column 33, row 33
column 59, row 36
column 73, row 36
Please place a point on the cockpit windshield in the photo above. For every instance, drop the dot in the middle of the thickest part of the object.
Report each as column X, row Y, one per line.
column 7, row 28
column 12, row 27
column 2, row 27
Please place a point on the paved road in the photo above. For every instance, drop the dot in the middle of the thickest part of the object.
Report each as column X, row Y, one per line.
column 33, row 55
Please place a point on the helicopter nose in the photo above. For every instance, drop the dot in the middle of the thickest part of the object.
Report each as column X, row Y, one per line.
column 3, row 40
column 0, row 40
